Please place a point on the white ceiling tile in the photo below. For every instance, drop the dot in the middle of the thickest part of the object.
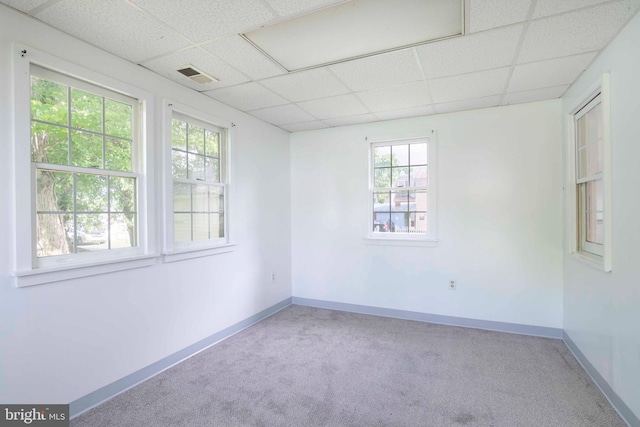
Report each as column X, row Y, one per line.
column 486, row 14
column 553, row 72
column 475, row 52
column 468, row 104
column 376, row 71
column 114, row 26
column 406, row 112
column 335, row 106
column 553, row 7
column 582, row 31
column 24, row 5
column 534, row 95
column 468, row 86
column 396, row 97
column 240, row 54
column 202, row 20
column 306, row 85
column 290, row 7
column 203, row 61
column 248, row 96
column 351, row 120
column 283, row 114
column 299, row 127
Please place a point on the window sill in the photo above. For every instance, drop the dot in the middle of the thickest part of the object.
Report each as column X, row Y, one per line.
column 182, row 254
column 39, row 276
column 400, row 241
column 590, row 260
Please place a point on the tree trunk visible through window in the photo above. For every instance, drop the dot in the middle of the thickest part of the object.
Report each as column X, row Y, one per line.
column 51, row 233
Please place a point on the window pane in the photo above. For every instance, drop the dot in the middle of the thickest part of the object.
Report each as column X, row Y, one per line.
column 122, row 233
column 200, row 198
column 381, row 201
column 401, row 201
column 196, row 166
column 581, row 132
column 86, row 150
column 400, row 177
column 200, row 226
column 182, row 227
column 91, row 232
column 122, row 193
column 381, row 221
column 589, row 143
column 418, row 154
column 49, row 101
column 181, row 197
column 117, row 155
column 399, row 155
column 398, row 222
column 216, row 199
column 52, row 236
column 91, row 193
column 382, row 156
column 419, row 201
column 594, row 212
column 49, row 144
column 196, row 139
column 118, row 118
column 212, row 169
column 86, row 110
column 216, row 225
column 179, row 134
column 418, row 176
column 382, row 177
column 178, row 164
column 417, row 222
column 212, row 142
column 54, row 191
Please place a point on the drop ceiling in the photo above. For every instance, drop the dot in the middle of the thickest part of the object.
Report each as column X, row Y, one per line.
column 513, row 51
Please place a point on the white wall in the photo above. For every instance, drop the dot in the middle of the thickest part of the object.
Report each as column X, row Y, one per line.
column 61, row 341
column 602, row 310
column 499, row 218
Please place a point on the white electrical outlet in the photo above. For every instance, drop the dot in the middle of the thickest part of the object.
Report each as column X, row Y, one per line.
column 273, row 277
column 452, row 285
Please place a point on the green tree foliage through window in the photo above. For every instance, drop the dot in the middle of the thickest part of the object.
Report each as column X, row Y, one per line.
column 78, row 139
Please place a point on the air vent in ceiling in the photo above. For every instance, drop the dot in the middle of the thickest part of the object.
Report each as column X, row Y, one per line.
column 196, row 75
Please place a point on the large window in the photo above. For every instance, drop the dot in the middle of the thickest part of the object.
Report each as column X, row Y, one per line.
column 590, row 146
column 401, row 189
column 85, row 156
column 199, row 173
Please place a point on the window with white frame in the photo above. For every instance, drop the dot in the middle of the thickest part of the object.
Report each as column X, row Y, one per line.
column 199, row 182
column 591, row 177
column 402, row 189
column 85, row 156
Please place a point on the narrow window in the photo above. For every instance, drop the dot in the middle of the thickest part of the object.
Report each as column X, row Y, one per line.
column 589, row 177
column 199, row 172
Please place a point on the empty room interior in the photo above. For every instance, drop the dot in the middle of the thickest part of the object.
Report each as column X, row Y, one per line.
column 321, row 212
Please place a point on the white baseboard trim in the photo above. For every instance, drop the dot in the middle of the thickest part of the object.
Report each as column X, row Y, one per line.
column 109, row 391
column 514, row 328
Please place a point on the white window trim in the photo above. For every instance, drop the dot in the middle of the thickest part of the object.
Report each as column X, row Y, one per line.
column 402, row 239
column 603, row 262
column 187, row 250
column 26, row 270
